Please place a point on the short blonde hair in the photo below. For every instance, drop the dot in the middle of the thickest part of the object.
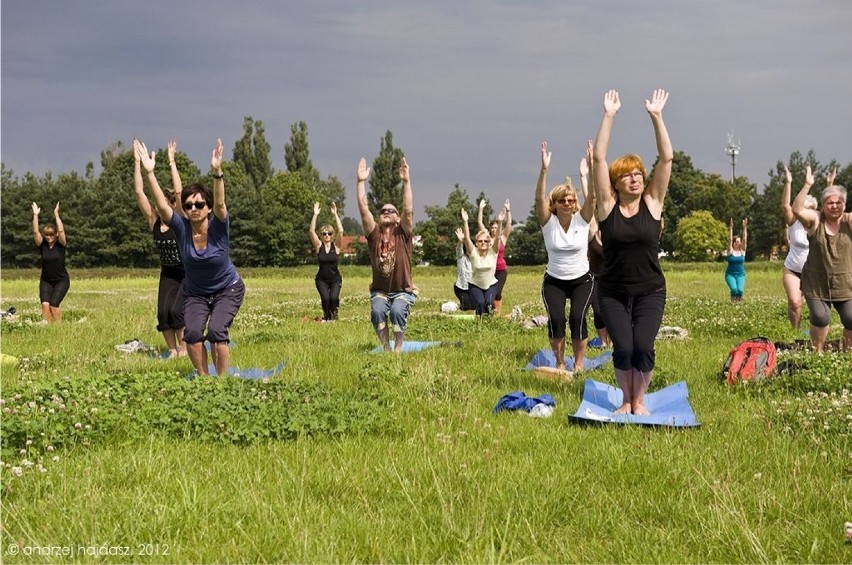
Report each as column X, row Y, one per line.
column 481, row 233
column 562, row 191
column 327, row 227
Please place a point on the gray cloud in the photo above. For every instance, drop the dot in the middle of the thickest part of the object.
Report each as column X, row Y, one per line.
column 468, row 88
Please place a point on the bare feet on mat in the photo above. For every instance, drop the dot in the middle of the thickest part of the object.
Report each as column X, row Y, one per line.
column 640, row 410
column 625, row 409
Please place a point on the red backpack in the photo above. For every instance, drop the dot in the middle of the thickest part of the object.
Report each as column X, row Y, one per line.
column 751, row 360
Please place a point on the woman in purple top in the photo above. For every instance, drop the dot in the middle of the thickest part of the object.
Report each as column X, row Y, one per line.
column 55, row 282
column 213, row 290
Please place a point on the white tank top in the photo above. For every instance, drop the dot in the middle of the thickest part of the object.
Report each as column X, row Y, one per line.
column 798, row 253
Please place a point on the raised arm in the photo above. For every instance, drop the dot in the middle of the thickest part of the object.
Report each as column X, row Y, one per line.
column 37, row 237
column 361, row 176
column 219, row 208
column 177, row 185
column 338, row 239
column 141, row 199
column 829, row 178
column 407, row 220
column 480, row 225
column 542, row 208
column 808, row 217
column 589, row 197
column 659, row 184
column 745, row 234
column 495, row 245
column 786, row 207
column 605, row 200
column 460, row 246
column 468, row 244
column 507, row 228
column 312, row 229
column 60, row 227
column 164, row 209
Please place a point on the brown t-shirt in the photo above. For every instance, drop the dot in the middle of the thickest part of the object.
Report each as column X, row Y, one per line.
column 827, row 274
column 391, row 260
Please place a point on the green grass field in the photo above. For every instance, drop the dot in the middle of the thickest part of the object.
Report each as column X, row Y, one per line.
column 349, row 456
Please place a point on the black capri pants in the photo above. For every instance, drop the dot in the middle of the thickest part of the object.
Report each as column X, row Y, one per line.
column 329, row 291
column 53, row 292
column 555, row 293
column 170, row 299
column 633, row 322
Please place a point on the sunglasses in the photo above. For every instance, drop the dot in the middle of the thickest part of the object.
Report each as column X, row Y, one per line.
column 566, row 201
column 197, row 205
column 327, row 233
column 482, row 241
column 388, row 211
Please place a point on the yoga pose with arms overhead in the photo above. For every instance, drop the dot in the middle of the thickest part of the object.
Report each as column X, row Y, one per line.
column 213, row 290
column 327, row 245
column 54, row 282
column 632, row 289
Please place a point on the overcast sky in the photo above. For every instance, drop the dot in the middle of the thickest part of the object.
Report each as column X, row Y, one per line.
column 468, row 88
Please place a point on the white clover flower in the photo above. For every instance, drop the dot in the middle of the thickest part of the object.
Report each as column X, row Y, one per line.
column 17, row 471
column 55, row 459
column 78, row 426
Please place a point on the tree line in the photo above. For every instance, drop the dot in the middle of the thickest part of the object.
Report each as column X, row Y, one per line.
column 270, row 210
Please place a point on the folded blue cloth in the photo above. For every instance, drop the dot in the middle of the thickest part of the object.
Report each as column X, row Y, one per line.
column 518, row 400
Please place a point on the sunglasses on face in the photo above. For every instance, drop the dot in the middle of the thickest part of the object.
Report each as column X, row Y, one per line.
column 197, row 205
column 327, row 233
column 388, row 211
column 566, row 201
column 482, row 241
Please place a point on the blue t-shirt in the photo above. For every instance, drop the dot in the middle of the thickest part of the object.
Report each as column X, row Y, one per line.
column 208, row 270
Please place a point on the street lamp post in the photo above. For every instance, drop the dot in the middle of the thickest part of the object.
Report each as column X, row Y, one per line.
column 732, row 149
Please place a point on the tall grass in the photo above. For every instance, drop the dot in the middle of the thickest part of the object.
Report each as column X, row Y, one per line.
column 765, row 479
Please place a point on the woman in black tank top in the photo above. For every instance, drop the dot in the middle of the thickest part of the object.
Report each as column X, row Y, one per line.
column 327, row 246
column 54, row 282
column 631, row 287
column 170, row 288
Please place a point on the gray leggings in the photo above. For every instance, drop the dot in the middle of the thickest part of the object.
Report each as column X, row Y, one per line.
column 821, row 312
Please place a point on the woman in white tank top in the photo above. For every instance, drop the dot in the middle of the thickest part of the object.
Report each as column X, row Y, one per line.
column 797, row 254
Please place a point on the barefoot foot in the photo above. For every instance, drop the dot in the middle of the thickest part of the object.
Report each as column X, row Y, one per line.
column 640, row 410
column 625, row 409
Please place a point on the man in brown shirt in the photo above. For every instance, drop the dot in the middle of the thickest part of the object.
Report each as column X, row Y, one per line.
column 390, row 245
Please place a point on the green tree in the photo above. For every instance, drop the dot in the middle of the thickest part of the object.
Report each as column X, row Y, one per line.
column 297, row 157
column 527, row 243
column 439, row 230
column 248, row 247
column 384, row 183
column 683, row 179
column 287, row 203
column 700, row 237
column 252, row 152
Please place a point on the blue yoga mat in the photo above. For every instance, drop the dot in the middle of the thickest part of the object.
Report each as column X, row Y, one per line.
column 546, row 358
column 250, row 373
column 668, row 407
column 410, row 346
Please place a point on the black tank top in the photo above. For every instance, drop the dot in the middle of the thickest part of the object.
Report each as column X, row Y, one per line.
column 631, row 252
column 596, row 258
column 328, row 264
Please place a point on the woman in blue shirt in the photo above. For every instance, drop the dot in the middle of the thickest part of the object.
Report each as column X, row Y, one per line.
column 213, row 290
